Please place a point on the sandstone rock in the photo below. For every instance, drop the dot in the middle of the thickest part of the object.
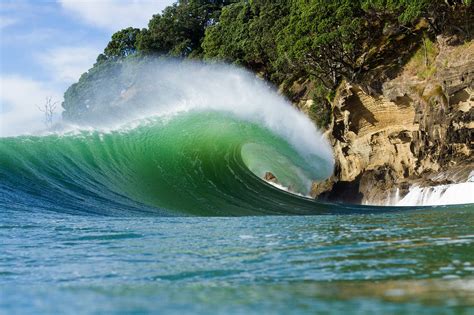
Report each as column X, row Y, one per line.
column 412, row 131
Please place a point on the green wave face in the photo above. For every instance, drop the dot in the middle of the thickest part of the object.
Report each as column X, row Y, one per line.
column 169, row 138
column 195, row 163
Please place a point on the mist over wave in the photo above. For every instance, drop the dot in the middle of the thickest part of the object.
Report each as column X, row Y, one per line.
column 169, row 88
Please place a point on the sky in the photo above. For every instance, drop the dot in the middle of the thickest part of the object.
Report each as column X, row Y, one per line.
column 45, row 45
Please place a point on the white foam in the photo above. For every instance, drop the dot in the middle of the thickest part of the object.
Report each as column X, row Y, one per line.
column 462, row 193
column 287, row 189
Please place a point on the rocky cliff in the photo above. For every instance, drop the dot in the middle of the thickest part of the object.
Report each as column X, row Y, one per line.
column 416, row 130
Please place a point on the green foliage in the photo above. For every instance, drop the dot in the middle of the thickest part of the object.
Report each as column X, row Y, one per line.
column 246, row 34
column 406, row 10
column 423, row 61
column 324, row 39
column 226, row 40
column 320, row 111
column 98, row 79
column 123, row 44
column 179, row 30
column 283, row 40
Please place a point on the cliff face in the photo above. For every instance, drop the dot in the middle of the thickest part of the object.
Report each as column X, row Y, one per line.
column 417, row 130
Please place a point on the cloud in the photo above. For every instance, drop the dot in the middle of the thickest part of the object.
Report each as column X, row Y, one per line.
column 7, row 21
column 37, row 36
column 19, row 98
column 66, row 64
column 115, row 14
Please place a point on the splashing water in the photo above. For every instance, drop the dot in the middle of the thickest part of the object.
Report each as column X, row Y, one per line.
column 452, row 194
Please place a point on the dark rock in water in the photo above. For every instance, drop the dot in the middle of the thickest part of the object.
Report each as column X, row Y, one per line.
column 269, row 177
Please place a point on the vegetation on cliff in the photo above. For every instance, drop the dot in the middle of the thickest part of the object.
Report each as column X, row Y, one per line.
column 322, row 41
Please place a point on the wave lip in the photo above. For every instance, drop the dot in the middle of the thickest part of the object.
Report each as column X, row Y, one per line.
column 167, row 88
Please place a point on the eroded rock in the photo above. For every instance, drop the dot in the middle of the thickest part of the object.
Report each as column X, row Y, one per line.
column 414, row 130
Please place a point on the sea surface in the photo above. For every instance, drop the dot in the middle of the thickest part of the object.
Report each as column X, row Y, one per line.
column 170, row 215
column 410, row 262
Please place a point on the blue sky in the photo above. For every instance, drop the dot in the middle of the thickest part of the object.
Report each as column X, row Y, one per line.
column 46, row 45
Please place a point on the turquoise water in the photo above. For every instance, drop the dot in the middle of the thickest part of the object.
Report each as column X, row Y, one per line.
column 172, row 217
column 202, row 163
column 400, row 263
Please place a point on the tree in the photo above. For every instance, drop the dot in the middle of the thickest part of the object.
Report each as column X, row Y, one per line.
column 247, row 34
column 325, row 39
column 284, row 41
column 123, row 44
column 180, row 29
column 48, row 109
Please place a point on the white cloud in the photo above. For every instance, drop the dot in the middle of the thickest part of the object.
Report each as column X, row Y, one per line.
column 66, row 64
column 6, row 21
column 19, row 98
column 115, row 14
column 37, row 36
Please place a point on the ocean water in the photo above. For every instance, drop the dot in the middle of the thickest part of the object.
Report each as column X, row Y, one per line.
column 163, row 210
column 411, row 262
